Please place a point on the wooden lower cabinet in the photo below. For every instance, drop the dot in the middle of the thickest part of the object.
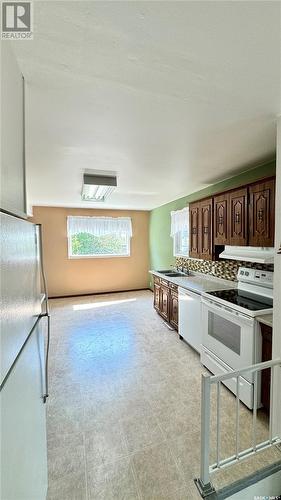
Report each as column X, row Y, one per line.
column 174, row 309
column 156, row 297
column 166, row 301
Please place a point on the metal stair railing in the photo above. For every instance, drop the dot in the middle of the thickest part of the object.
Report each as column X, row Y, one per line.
column 203, row 483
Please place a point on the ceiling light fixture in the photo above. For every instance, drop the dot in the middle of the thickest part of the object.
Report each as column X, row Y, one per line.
column 97, row 186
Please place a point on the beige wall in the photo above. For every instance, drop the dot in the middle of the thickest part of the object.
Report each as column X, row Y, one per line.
column 89, row 275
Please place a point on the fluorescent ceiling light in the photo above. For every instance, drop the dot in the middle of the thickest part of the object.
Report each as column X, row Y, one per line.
column 98, row 186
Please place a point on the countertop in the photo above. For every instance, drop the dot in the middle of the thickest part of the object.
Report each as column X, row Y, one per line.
column 198, row 282
column 266, row 319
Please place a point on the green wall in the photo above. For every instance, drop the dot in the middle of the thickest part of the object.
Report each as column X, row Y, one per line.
column 160, row 242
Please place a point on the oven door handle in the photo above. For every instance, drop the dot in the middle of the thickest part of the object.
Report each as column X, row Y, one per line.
column 226, row 311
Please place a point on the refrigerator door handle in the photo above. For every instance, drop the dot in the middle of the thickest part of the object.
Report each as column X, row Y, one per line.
column 45, row 396
column 46, row 314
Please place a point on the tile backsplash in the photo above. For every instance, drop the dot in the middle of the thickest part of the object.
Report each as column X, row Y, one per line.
column 226, row 269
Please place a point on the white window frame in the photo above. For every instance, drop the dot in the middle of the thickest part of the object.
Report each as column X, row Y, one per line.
column 177, row 228
column 177, row 246
column 98, row 256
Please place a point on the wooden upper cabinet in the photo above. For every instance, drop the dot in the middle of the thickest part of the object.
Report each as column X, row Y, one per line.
column 262, row 213
column 238, row 217
column 230, row 218
column 221, row 217
column 243, row 216
column 194, row 230
column 201, row 227
column 206, row 228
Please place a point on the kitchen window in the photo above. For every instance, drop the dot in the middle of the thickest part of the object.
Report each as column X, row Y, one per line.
column 98, row 236
column 180, row 232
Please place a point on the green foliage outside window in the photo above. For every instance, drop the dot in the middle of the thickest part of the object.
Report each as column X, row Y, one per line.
column 89, row 244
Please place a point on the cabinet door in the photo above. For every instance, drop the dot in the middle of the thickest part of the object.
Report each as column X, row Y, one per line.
column 261, row 214
column 156, row 297
column 238, row 217
column 174, row 309
column 164, row 302
column 221, row 208
column 206, row 229
column 194, row 230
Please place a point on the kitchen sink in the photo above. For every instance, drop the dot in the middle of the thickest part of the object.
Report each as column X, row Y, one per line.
column 165, row 271
column 173, row 275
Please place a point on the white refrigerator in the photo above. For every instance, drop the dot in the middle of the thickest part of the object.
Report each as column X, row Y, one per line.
column 23, row 364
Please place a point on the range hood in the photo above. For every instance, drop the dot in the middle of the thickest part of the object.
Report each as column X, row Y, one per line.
column 261, row 255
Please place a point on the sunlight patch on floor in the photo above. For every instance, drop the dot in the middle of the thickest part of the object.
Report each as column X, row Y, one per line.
column 95, row 305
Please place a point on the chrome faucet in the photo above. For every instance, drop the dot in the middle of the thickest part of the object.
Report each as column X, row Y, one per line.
column 182, row 269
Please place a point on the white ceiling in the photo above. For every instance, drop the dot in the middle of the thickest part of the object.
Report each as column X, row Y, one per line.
column 172, row 95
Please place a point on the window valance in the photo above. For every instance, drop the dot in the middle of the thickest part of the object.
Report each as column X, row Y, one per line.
column 99, row 226
column 179, row 221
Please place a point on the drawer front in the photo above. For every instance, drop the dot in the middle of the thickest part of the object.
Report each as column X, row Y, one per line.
column 156, row 280
column 164, row 282
column 173, row 287
column 216, row 367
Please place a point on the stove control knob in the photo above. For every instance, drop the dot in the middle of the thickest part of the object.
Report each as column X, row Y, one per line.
column 247, row 273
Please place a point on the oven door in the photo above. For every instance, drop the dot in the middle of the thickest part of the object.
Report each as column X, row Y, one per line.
column 229, row 334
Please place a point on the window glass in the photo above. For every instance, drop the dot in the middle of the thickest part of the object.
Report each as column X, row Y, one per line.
column 98, row 236
column 226, row 332
column 180, row 232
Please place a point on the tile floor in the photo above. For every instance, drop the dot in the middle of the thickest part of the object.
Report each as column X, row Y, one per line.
column 124, row 409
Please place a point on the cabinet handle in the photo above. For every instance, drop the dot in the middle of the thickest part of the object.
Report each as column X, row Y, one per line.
column 237, row 218
column 221, row 219
column 47, row 314
column 194, row 230
column 205, row 229
column 260, row 215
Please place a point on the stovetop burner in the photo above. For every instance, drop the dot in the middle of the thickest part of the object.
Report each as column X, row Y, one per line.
column 243, row 299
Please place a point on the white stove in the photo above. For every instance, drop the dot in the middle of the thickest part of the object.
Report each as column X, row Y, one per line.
column 231, row 334
column 254, row 295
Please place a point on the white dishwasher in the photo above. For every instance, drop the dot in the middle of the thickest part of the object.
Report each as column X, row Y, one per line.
column 190, row 318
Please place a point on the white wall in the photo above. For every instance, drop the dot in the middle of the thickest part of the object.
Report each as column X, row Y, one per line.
column 277, row 288
column 12, row 134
